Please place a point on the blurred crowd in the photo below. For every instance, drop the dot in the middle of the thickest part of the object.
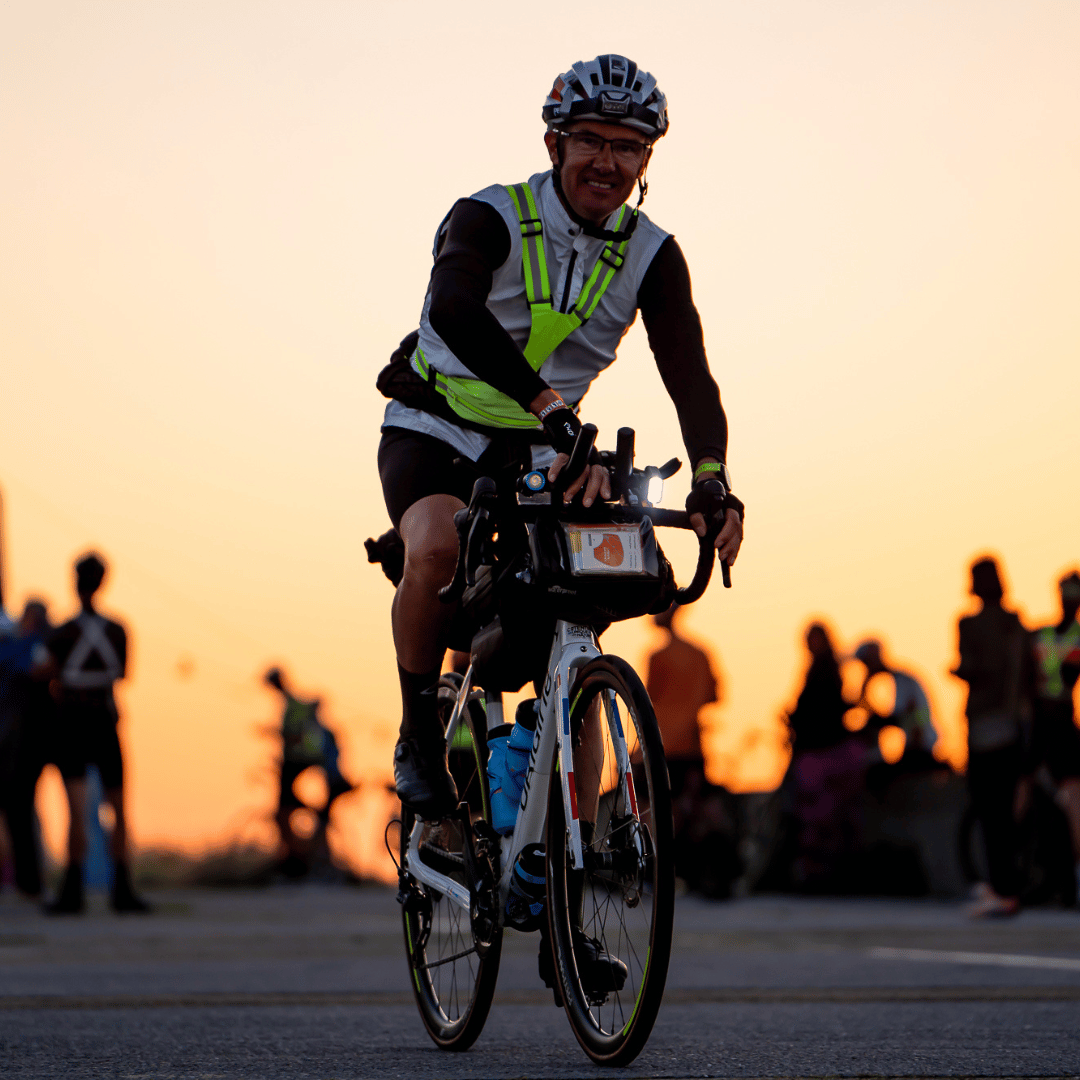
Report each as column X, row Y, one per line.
column 867, row 804
column 865, row 772
column 57, row 706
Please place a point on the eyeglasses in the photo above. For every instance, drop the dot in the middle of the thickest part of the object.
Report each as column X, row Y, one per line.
column 629, row 151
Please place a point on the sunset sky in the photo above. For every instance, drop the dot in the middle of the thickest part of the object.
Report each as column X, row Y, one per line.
column 215, row 224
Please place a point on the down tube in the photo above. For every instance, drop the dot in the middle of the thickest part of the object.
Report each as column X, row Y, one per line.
column 575, row 654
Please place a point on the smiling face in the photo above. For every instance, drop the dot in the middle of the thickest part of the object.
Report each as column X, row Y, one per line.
column 597, row 183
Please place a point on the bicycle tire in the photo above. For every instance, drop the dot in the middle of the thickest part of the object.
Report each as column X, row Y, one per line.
column 453, row 995
column 624, row 897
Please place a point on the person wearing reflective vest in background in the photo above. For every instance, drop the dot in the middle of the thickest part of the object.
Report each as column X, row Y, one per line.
column 86, row 656
column 1055, row 739
column 532, row 289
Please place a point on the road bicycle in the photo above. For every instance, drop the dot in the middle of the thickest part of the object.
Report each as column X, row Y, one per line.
column 538, row 581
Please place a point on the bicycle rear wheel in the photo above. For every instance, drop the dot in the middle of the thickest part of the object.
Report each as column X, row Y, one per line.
column 453, row 973
column 622, row 902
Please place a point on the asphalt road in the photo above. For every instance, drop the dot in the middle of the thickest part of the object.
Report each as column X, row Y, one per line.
column 310, row 981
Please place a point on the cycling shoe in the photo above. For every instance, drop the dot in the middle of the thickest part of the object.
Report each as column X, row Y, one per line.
column 422, row 779
column 600, row 972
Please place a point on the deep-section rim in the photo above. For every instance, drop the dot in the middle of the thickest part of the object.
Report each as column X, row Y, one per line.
column 621, row 1046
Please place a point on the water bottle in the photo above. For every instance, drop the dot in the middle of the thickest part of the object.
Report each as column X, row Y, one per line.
column 525, row 903
column 504, row 802
column 519, row 745
column 508, row 761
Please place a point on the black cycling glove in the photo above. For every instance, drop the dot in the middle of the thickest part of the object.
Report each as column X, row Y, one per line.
column 711, row 499
column 561, row 426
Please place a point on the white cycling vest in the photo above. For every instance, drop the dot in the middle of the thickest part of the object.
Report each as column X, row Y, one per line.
column 571, row 255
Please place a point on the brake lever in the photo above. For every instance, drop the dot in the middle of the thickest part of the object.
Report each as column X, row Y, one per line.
column 465, row 522
column 579, row 458
column 725, row 569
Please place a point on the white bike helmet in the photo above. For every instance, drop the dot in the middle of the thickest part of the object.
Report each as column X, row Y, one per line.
column 610, row 88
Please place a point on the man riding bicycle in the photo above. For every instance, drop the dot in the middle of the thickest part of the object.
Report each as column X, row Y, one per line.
column 532, row 288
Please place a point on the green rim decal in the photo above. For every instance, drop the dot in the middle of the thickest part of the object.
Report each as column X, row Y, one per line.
column 640, row 993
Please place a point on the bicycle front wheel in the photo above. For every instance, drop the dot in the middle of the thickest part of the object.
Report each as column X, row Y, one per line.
column 453, row 971
column 610, row 921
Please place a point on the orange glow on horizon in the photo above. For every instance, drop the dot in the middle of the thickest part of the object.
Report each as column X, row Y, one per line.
column 217, row 226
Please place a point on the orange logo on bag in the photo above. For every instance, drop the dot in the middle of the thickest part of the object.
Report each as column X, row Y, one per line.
column 610, row 551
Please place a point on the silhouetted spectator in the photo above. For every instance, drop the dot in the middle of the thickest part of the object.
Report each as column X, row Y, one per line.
column 14, row 657
column 910, row 711
column 828, row 769
column 817, row 722
column 306, row 742
column 33, row 718
column 1055, row 739
column 680, row 683
column 994, row 662
column 89, row 654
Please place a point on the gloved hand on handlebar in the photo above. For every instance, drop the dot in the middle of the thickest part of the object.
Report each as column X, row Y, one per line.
column 710, row 505
column 561, row 426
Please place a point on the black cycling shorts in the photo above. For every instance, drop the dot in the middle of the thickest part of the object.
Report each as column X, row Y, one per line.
column 413, row 465
column 85, row 734
column 1056, row 740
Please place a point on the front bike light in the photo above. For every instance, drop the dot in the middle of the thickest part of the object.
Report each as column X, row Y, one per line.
column 655, row 490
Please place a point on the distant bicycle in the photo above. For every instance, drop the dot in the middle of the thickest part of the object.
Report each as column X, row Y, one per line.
column 538, row 582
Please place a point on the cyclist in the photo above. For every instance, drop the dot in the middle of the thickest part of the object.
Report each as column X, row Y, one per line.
column 494, row 367
column 531, row 290
column 1055, row 739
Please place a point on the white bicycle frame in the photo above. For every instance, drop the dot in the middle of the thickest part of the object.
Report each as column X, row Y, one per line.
column 572, row 648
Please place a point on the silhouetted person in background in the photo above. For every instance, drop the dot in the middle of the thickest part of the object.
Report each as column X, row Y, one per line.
column 994, row 662
column 681, row 682
column 828, row 769
column 1055, row 740
column 15, row 661
column 33, row 714
column 306, row 742
column 910, row 712
column 817, row 722
column 89, row 654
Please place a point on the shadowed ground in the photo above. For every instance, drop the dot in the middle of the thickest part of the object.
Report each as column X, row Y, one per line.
column 310, row 982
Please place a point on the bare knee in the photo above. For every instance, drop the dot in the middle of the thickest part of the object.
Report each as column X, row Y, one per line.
column 432, row 562
column 431, row 543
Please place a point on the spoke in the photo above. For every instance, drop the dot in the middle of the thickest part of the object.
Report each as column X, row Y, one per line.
column 447, row 959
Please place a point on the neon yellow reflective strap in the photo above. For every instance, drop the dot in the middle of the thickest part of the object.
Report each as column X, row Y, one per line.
column 478, row 401
column 1051, row 654
column 534, row 265
column 611, row 259
column 551, row 328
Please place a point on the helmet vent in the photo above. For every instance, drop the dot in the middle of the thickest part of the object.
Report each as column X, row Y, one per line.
column 609, row 88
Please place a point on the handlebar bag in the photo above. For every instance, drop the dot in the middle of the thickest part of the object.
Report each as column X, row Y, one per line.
column 600, row 571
